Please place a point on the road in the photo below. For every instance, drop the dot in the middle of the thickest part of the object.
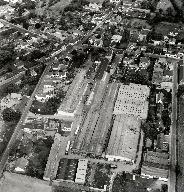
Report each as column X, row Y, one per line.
column 173, row 147
column 26, row 110
column 20, row 28
column 22, row 119
column 12, row 78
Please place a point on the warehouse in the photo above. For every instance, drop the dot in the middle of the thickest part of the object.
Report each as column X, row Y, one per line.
column 73, row 95
column 132, row 100
column 62, row 169
column 124, row 139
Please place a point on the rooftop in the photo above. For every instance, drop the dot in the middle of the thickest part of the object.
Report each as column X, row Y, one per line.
column 124, row 137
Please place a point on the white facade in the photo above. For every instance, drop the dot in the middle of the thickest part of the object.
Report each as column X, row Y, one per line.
column 114, row 1
column 81, row 171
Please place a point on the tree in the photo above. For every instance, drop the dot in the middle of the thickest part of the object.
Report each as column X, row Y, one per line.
column 5, row 57
column 2, row 2
column 149, row 130
column 38, row 162
column 10, row 115
column 180, row 90
column 11, row 88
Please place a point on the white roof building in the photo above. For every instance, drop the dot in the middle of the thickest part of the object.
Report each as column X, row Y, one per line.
column 81, row 171
column 114, row 1
column 116, row 38
column 94, row 7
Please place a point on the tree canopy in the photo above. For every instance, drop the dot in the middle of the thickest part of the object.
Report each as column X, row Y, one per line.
column 10, row 115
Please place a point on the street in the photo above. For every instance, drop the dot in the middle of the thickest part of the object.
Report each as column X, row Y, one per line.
column 172, row 145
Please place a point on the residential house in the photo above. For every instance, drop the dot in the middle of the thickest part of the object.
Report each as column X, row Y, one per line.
column 163, row 142
column 143, row 48
column 172, row 41
column 93, row 7
column 114, row 1
column 157, row 74
column 143, row 34
column 127, row 61
column 21, row 105
column 19, row 65
column 116, row 38
column 155, row 165
column 181, row 73
column 144, row 62
column 134, row 35
column 156, row 42
column 45, row 92
column 98, row 42
column 21, row 165
column 167, row 75
column 10, row 100
column 33, row 72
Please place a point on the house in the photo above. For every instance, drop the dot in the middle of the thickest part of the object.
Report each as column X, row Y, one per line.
column 166, row 85
column 58, row 74
column 45, row 92
column 116, row 38
column 10, row 101
column 142, row 37
column 1, row 25
column 57, row 66
column 98, row 42
column 21, row 105
column 21, row 165
column 127, row 61
column 166, row 38
column 19, row 65
column 93, row 7
column 157, row 73
column 114, row 1
column 144, row 62
column 155, row 165
column 156, row 42
column 163, row 142
column 143, row 48
column 134, row 35
column 180, row 73
column 167, row 75
column 131, row 46
column 33, row 72
column 172, row 41
column 164, row 5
